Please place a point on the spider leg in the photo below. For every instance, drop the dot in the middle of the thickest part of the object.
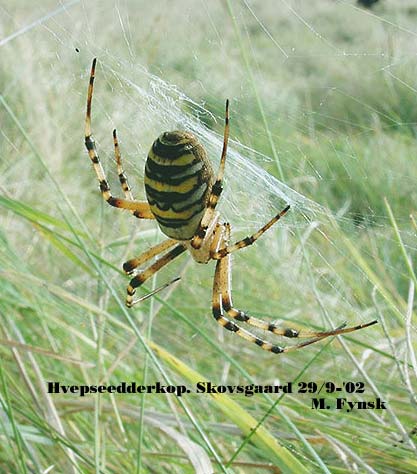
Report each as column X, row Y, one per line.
column 133, row 263
column 139, row 209
column 122, row 177
column 218, row 313
column 249, row 240
column 222, row 303
column 141, row 277
column 216, row 189
column 225, row 275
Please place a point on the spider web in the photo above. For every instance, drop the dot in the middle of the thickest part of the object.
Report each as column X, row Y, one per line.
column 175, row 69
column 160, row 71
column 323, row 117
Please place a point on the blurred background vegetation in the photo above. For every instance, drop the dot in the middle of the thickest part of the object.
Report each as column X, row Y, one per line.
column 323, row 100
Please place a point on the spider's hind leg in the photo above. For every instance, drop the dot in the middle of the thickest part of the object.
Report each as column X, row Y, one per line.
column 120, row 172
column 216, row 190
column 138, row 208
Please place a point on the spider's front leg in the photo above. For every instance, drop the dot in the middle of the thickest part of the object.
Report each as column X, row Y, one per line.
column 222, row 303
column 138, row 208
column 141, row 277
column 240, row 244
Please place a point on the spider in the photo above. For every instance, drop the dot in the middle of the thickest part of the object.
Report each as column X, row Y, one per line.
column 182, row 194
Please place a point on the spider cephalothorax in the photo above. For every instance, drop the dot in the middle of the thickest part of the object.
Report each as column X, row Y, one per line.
column 182, row 193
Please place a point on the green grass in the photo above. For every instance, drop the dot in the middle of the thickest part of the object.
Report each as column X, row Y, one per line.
column 321, row 96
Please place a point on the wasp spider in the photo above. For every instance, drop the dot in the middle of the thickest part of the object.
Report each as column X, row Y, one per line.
column 182, row 193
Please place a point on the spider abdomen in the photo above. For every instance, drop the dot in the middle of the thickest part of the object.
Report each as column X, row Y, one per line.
column 178, row 181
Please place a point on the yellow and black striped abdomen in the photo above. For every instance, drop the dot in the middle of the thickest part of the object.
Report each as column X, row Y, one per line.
column 178, row 181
